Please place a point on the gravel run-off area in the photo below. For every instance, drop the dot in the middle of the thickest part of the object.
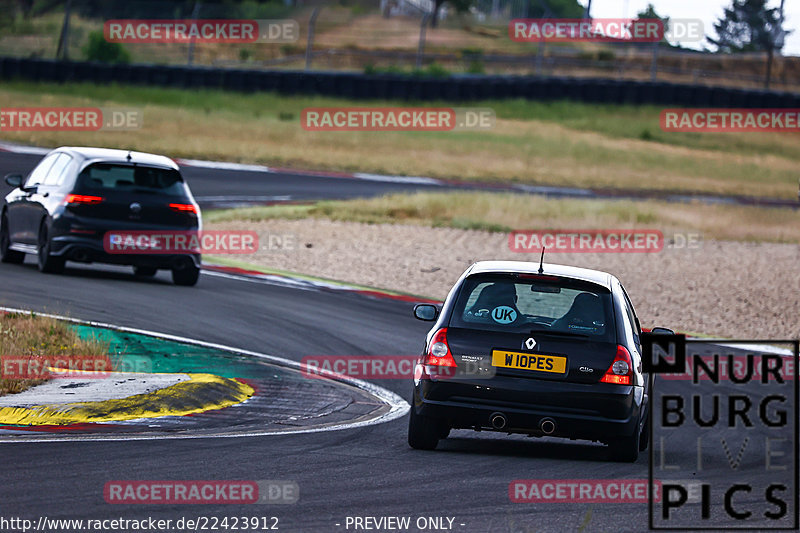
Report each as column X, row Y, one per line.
column 732, row 289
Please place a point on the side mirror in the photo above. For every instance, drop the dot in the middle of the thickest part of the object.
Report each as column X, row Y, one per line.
column 426, row 312
column 15, row 180
column 662, row 331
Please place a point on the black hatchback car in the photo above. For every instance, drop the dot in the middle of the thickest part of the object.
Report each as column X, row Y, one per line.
column 74, row 197
column 514, row 349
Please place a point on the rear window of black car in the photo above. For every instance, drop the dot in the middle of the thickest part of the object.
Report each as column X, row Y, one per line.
column 131, row 177
column 511, row 304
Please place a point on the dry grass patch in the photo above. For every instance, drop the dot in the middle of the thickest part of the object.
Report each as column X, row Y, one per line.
column 34, row 337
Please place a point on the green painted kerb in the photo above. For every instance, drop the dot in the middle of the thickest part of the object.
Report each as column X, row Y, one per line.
column 134, row 352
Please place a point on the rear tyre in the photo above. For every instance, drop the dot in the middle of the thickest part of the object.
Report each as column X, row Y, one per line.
column 7, row 255
column 644, row 438
column 186, row 276
column 144, row 272
column 424, row 432
column 48, row 263
column 626, row 449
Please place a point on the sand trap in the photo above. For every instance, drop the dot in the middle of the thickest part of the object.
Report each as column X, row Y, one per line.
column 733, row 289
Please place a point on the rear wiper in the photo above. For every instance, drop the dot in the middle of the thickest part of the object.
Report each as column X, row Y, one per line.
column 558, row 333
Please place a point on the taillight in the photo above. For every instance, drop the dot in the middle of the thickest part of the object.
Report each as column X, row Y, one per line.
column 621, row 370
column 439, row 352
column 82, row 199
column 183, row 208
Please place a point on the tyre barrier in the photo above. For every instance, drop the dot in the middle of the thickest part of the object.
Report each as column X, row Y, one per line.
column 355, row 86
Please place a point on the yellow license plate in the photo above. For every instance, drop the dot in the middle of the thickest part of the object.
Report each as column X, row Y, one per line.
column 529, row 361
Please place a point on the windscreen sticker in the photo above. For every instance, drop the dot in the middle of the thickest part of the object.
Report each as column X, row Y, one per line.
column 504, row 314
column 596, row 326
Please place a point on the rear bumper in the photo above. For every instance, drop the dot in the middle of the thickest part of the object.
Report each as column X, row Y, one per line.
column 597, row 411
column 81, row 239
column 91, row 250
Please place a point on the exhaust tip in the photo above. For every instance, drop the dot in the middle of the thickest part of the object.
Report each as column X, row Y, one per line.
column 547, row 425
column 498, row 420
column 81, row 256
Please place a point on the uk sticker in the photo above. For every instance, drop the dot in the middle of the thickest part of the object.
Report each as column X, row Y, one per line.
column 724, row 437
column 504, row 314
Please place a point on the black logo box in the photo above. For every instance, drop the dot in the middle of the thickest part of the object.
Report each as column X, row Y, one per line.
column 653, row 362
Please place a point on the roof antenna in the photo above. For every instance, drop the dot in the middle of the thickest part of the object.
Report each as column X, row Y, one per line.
column 541, row 260
column 129, row 156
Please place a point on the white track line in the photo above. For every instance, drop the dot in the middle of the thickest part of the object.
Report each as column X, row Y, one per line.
column 763, row 348
column 283, row 280
column 222, row 165
column 20, row 149
column 397, row 179
column 398, row 406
